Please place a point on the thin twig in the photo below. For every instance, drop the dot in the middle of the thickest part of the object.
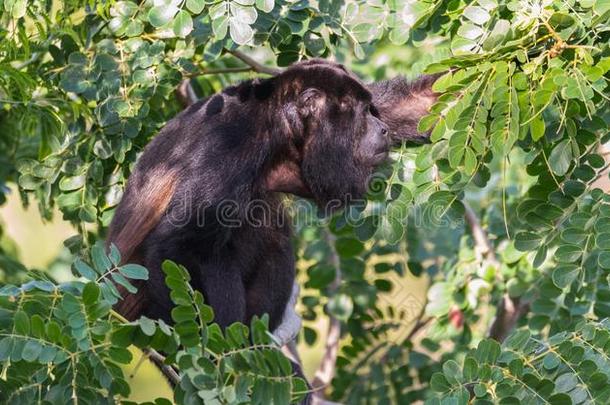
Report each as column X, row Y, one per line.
column 419, row 325
column 326, row 370
column 168, row 371
column 482, row 244
column 220, row 71
column 256, row 66
column 510, row 309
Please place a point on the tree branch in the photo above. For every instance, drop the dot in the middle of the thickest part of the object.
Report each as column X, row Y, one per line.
column 168, row 371
column 510, row 309
column 482, row 245
column 326, row 370
column 256, row 66
column 220, row 71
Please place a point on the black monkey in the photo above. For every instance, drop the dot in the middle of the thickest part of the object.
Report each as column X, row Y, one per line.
column 400, row 104
column 311, row 130
column 205, row 191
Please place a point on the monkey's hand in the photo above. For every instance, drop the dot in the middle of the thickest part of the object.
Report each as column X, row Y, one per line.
column 288, row 330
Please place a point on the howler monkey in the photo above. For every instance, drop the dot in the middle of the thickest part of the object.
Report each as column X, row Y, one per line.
column 205, row 192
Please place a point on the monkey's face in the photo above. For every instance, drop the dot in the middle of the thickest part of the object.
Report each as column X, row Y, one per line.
column 344, row 141
column 373, row 145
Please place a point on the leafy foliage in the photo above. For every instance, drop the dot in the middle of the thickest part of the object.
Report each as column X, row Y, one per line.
column 569, row 367
column 502, row 208
column 62, row 343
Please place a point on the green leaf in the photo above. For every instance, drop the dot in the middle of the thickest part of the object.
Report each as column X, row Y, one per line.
column 101, row 263
column 456, row 154
column 21, row 323
column 568, row 253
column 72, row 183
column 470, row 31
column 244, row 14
column 526, row 241
column 604, row 260
column 497, row 35
column 220, row 27
column 550, row 361
column 537, row 128
column 566, row 382
column 439, row 383
column 601, row 7
column 480, row 390
column 102, row 149
column 470, row 369
column 134, row 271
column 347, row 247
column 31, row 350
column 114, row 255
column 241, row 33
column 28, row 182
column 85, row 270
column 476, row 14
column 487, row 351
column 18, row 9
column 147, row 326
column 564, row 276
column 602, row 240
column 560, row 158
column 91, row 293
column 119, row 279
column 183, row 24
column 452, row 371
column 195, row 6
column 265, row 5
column 470, row 161
column 160, row 15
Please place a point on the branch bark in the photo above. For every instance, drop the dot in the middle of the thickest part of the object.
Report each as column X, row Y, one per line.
column 168, row 371
column 256, row 66
column 510, row 309
column 326, row 370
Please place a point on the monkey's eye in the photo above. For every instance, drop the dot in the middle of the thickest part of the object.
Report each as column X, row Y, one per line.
column 373, row 111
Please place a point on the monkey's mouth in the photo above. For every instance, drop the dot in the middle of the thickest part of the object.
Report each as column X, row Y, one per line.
column 379, row 157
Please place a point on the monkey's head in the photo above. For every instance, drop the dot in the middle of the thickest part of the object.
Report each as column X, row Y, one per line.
column 340, row 130
column 335, row 132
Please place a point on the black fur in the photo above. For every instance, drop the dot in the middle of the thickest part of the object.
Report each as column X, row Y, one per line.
column 313, row 131
column 312, row 124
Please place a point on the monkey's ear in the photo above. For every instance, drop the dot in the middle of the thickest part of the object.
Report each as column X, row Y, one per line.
column 402, row 104
column 310, row 102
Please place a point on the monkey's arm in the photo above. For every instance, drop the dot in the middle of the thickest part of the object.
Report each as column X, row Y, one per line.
column 401, row 104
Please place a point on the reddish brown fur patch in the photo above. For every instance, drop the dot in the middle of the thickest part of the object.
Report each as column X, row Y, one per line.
column 417, row 105
column 152, row 201
column 132, row 305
